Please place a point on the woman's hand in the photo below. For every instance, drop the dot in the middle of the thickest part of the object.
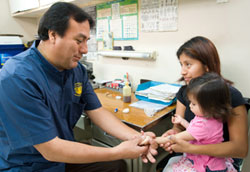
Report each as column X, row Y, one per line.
column 180, row 145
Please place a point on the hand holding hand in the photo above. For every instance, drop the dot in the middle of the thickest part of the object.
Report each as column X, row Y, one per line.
column 179, row 145
column 149, row 140
column 131, row 149
column 167, row 145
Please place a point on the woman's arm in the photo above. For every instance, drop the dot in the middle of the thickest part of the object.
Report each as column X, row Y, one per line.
column 180, row 110
column 236, row 147
column 177, row 128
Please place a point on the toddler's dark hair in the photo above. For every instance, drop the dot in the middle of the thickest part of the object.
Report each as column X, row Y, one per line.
column 212, row 94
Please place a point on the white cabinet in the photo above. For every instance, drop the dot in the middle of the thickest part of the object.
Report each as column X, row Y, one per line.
column 22, row 5
column 47, row 2
column 36, row 8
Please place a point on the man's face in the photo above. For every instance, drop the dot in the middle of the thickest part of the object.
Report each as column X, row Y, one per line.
column 70, row 47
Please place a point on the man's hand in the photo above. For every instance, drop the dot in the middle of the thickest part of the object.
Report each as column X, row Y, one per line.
column 131, row 149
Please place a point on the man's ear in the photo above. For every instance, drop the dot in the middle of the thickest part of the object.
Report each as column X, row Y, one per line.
column 52, row 36
column 206, row 68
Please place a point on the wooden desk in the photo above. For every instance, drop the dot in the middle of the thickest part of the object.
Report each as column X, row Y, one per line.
column 136, row 117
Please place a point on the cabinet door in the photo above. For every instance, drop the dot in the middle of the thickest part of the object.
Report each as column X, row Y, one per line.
column 22, row 5
column 47, row 2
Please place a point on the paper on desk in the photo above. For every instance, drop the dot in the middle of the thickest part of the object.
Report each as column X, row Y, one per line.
column 149, row 105
column 166, row 88
column 162, row 92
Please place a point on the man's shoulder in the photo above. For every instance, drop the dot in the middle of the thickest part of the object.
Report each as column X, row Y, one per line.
column 22, row 64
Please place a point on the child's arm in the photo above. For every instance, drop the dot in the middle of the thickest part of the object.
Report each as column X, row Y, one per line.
column 177, row 119
column 182, row 135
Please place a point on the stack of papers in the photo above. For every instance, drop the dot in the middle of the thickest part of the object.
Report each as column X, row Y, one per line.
column 148, row 105
column 162, row 92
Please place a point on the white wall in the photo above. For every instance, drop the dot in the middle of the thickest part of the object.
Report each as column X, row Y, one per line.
column 10, row 25
column 225, row 24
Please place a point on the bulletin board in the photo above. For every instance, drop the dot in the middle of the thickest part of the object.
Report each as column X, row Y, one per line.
column 119, row 17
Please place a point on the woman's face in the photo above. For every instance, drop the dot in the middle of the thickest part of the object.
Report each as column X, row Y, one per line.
column 191, row 68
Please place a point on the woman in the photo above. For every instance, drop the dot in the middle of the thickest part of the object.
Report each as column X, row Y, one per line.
column 198, row 56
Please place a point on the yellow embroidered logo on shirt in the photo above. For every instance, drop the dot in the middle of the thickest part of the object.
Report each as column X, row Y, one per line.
column 78, row 89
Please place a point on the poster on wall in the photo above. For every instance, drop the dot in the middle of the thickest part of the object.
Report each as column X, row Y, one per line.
column 118, row 17
column 158, row 15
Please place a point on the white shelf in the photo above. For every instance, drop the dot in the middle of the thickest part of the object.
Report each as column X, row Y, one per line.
column 129, row 54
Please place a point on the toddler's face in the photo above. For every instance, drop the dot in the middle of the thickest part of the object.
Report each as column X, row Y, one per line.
column 195, row 107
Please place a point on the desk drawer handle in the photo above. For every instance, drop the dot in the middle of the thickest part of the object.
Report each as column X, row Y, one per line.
column 106, row 134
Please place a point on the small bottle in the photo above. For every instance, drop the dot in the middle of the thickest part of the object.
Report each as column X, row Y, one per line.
column 126, row 93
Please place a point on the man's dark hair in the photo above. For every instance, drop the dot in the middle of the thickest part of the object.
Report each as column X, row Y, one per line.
column 57, row 19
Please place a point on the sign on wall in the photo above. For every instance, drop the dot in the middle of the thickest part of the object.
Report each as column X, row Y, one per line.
column 158, row 15
column 119, row 17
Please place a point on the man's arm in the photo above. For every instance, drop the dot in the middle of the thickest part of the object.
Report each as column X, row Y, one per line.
column 115, row 127
column 59, row 150
column 111, row 124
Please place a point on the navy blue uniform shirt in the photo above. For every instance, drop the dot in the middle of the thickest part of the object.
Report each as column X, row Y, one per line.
column 38, row 103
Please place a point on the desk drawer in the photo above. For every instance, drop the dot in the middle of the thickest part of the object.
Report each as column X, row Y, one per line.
column 100, row 135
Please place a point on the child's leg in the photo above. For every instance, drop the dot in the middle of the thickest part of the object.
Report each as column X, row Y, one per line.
column 184, row 165
column 171, row 161
column 179, row 164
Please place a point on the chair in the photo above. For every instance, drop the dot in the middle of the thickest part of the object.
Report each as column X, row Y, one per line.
column 246, row 161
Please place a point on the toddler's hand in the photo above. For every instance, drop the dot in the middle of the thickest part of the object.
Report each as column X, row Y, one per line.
column 176, row 119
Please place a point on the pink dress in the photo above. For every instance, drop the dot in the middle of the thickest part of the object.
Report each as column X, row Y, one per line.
column 205, row 131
